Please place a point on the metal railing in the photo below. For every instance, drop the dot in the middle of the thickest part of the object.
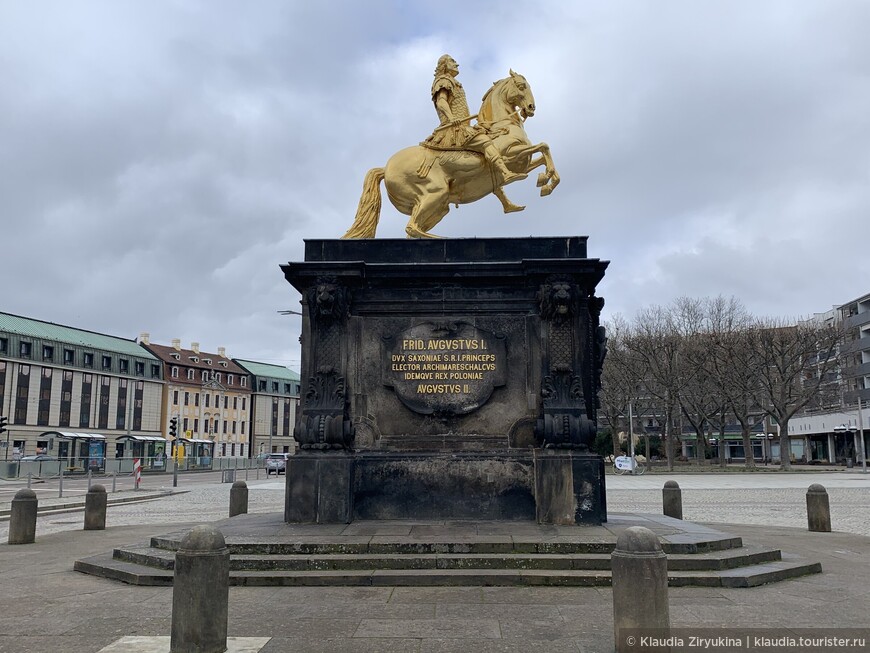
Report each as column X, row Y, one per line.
column 80, row 466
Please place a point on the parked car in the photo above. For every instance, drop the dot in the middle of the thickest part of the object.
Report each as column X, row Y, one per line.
column 277, row 463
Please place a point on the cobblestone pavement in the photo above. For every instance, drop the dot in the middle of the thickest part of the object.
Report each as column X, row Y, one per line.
column 761, row 499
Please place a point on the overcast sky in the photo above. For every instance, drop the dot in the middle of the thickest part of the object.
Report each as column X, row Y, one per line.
column 159, row 160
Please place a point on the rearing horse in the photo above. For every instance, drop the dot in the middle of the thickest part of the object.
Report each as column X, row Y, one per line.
column 422, row 181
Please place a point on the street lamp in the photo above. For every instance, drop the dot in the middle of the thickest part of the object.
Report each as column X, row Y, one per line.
column 842, row 428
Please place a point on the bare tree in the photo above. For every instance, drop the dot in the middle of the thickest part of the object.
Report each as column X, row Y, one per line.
column 737, row 368
column 793, row 363
column 657, row 347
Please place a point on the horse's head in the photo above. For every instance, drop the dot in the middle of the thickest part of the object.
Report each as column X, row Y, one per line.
column 506, row 97
column 519, row 94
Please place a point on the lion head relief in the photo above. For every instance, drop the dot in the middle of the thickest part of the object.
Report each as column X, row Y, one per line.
column 327, row 299
column 556, row 297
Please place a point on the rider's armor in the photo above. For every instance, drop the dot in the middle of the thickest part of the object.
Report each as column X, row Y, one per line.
column 460, row 133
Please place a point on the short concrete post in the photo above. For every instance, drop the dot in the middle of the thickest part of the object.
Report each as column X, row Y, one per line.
column 818, row 509
column 95, row 508
column 640, row 589
column 672, row 500
column 200, row 594
column 22, row 519
column 239, row 499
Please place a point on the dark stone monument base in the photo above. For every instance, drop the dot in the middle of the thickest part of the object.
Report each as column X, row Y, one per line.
column 569, row 488
column 552, row 486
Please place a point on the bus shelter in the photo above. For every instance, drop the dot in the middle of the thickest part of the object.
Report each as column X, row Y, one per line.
column 150, row 449
column 80, row 452
column 195, row 453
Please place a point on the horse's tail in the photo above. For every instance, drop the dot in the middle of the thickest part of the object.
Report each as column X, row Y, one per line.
column 369, row 210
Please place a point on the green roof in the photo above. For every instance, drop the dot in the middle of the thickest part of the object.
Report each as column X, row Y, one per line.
column 268, row 370
column 28, row 327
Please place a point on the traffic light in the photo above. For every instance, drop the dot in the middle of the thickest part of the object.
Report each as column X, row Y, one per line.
column 173, row 428
column 4, row 421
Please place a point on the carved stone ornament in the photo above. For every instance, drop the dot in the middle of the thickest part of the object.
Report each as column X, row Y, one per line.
column 324, row 423
column 565, row 424
column 556, row 298
column 444, row 369
column 327, row 300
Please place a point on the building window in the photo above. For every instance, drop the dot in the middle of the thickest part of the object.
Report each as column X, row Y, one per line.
column 286, row 388
column 244, row 382
column 207, row 398
column 226, row 402
column 235, row 403
column 175, row 397
column 196, row 399
column 4, row 345
column 233, row 449
column 217, row 376
column 174, row 372
column 230, row 379
column 274, row 386
column 88, row 359
column 243, row 428
column 190, row 375
column 155, row 371
column 25, row 349
column 47, row 353
column 196, row 425
column 225, row 427
column 107, row 362
column 184, row 425
column 124, row 365
column 234, row 427
column 205, row 375
column 243, row 403
column 140, row 369
column 261, row 385
column 186, row 398
column 69, row 356
column 195, row 359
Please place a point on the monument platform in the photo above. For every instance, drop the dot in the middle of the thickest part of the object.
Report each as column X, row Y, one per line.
column 448, row 379
column 267, row 551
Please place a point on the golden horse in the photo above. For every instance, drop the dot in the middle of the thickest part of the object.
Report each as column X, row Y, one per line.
column 423, row 182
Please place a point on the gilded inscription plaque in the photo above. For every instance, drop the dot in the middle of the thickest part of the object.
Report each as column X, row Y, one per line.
column 448, row 368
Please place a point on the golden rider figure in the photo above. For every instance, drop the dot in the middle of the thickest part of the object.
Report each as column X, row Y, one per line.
column 456, row 132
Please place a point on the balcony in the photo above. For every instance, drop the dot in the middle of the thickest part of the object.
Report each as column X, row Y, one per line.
column 859, row 344
column 855, row 321
column 857, row 370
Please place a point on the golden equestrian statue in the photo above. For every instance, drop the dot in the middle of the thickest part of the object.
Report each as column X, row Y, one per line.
column 460, row 162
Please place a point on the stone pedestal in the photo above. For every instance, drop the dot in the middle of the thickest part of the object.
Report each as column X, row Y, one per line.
column 569, row 488
column 431, row 371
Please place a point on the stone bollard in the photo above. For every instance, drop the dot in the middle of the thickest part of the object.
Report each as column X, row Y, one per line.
column 22, row 520
column 95, row 508
column 200, row 593
column 640, row 589
column 239, row 499
column 818, row 509
column 672, row 500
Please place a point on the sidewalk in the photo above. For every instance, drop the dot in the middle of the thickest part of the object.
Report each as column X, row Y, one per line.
column 45, row 607
column 77, row 501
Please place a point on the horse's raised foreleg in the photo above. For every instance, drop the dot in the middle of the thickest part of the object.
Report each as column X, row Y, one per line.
column 547, row 180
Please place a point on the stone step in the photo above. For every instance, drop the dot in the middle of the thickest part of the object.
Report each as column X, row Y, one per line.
column 750, row 576
column 717, row 560
column 363, row 545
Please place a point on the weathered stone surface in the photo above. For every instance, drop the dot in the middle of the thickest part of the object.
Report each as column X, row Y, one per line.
column 569, row 488
column 818, row 509
column 672, row 500
column 460, row 346
column 22, row 519
column 639, row 571
column 200, row 594
column 238, row 498
column 96, row 501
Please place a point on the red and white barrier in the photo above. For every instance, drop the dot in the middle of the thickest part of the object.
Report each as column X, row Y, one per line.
column 137, row 472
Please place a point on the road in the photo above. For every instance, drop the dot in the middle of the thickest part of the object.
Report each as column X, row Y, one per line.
column 773, row 499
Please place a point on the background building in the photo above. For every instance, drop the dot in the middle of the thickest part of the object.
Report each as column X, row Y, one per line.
column 275, row 404
column 74, row 394
column 210, row 395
